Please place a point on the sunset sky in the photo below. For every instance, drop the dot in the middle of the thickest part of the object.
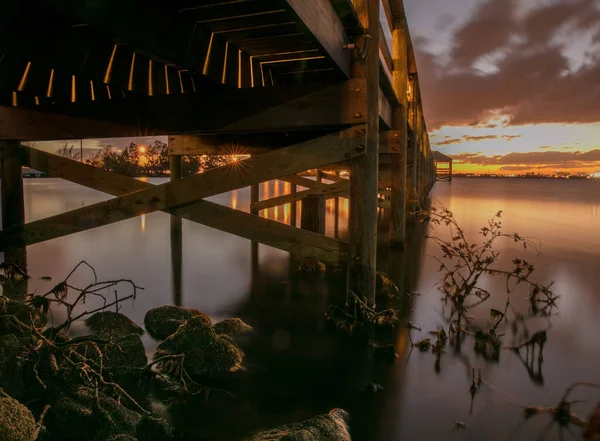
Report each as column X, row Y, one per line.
column 508, row 86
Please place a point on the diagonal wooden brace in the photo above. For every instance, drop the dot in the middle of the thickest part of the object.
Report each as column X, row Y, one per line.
column 290, row 160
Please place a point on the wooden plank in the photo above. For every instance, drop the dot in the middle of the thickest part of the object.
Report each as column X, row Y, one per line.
column 345, row 10
column 313, row 213
column 269, row 232
column 333, row 190
column 315, row 153
column 322, row 21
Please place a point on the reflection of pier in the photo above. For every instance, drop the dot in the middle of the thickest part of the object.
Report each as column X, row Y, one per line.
column 297, row 84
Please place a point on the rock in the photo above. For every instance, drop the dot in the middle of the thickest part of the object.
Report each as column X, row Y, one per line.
column 11, row 365
column 125, row 353
column 329, row 427
column 232, row 326
column 111, row 325
column 21, row 311
column 149, row 429
column 312, row 266
column 163, row 321
column 78, row 415
column 206, row 353
column 16, row 421
column 121, row 437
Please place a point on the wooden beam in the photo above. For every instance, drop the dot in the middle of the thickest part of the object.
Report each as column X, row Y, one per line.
column 385, row 109
column 33, row 125
column 324, row 24
column 275, row 234
column 333, row 190
column 238, row 143
column 277, row 108
column 268, row 232
column 315, row 153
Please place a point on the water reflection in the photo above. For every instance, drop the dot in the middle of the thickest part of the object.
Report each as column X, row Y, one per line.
column 297, row 367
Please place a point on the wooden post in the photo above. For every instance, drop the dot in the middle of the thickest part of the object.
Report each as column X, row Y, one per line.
column 293, row 207
column 362, row 224
column 254, row 197
column 313, row 213
column 12, row 202
column 397, row 232
column 175, row 167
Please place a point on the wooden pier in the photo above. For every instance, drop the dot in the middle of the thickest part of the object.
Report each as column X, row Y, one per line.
column 297, row 84
column 443, row 166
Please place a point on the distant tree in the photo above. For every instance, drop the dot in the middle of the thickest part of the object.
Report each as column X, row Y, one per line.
column 69, row 152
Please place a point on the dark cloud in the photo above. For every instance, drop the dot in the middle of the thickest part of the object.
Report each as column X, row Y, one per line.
column 545, row 146
column 533, row 83
column 511, row 137
column 449, row 141
column 479, row 138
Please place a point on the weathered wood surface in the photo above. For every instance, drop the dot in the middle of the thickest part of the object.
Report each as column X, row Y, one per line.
column 312, row 217
column 12, row 203
column 336, row 189
column 268, row 232
column 315, row 153
column 362, row 224
column 322, row 21
column 399, row 138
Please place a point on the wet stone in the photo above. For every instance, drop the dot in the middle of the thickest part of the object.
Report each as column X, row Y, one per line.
column 205, row 352
column 163, row 321
column 16, row 421
column 112, row 325
column 232, row 326
column 329, row 427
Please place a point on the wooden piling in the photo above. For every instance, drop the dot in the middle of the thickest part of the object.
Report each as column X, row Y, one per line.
column 175, row 167
column 254, row 197
column 293, row 206
column 312, row 217
column 397, row 232
column 12, row 199
column 364, row 170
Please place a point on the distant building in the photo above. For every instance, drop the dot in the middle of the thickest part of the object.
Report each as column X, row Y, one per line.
column 563, row 174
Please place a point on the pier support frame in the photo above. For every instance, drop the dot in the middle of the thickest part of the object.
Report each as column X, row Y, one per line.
column 313, row 213
column 175, row 168
column 364, row 170
column 397, row 232
column 12, row 199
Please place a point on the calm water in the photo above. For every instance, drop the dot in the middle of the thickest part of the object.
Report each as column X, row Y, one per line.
column 297, row 367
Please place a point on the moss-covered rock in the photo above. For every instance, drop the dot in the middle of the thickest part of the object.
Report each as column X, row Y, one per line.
column 163, row 321
column 111, row 325
column 205, row 352
column 329, row 427
column 150, row 429
column 16, row 421
column 125, row 353
column 11, row 309
column 11, row 365
column 232, row 326
column 120, row 437
column 80, row 415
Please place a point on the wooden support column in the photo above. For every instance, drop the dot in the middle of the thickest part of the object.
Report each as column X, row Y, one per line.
column 313, row 213
column 397, row 232
column 254, row 197
column 362, row 227
column 293, row 206
column 175, row 167
column 12, row 202
column 413, row 150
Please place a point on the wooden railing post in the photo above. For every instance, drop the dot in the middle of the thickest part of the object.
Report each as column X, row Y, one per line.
column 175, row 168
column 12, row 198
column 362, row 225
column 254, row 197
column 397, row 232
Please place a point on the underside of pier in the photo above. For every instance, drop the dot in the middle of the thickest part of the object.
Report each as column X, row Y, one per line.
column 320, row 85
